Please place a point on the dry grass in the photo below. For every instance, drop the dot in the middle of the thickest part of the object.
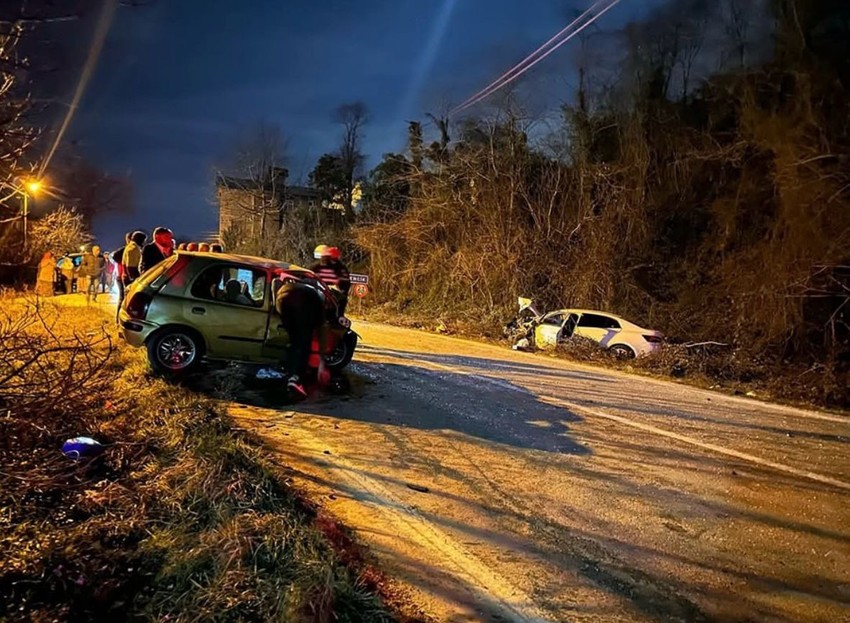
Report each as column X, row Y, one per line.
column 179, row 519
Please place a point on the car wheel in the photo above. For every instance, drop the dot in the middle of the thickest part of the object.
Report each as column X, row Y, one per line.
column 343, row 353
column 175, row 351
column 621, row 351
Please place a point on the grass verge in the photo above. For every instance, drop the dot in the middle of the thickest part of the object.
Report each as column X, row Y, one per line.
column 179, row 518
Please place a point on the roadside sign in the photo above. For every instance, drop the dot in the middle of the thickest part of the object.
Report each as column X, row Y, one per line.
column 355, row 278
column 360, row 290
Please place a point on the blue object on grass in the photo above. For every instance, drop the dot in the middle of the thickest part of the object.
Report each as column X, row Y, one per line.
column 81, row 447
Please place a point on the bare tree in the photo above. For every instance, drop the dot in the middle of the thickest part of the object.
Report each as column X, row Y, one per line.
column 737, row 23
column 352, row 117
column 252, row 185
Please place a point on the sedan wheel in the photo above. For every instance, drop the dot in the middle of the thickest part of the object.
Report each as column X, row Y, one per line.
column 621, row 351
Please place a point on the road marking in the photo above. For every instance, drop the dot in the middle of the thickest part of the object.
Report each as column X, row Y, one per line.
column 788, row 469
column 572, row 366
column 490, row 588
column 802, row 473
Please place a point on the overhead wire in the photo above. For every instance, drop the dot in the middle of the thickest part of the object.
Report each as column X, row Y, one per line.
column 561, row 38
column 520, row 65
column 101, row 31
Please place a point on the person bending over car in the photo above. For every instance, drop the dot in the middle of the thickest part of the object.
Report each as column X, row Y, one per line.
column 302, row 312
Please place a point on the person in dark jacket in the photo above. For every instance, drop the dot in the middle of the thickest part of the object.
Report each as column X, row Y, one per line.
column 118, row 258
column 333, row 273
column 132, row 257
column 156, row 251
column 302, row 314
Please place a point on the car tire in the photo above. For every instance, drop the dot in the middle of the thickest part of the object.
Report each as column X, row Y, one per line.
column 175, row 351
column 343, row 353
column 621, row 351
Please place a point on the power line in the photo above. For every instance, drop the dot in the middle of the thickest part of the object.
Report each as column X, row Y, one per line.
column 538, row 55
column 101, row 31
column 531, row 56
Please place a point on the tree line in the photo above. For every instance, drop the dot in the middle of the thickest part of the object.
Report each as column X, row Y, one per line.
column 697, row 182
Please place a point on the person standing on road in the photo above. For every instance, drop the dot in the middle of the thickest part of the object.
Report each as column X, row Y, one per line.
column 89, row 272
column 302, row 314
column 46, row 275
column 67, row 268
column 132, row 258
column 118, row 259
column 333, row 273
column 108, row 274
column 156, row 251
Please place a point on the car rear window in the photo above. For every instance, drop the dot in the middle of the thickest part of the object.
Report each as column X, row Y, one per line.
column 598, row 321
column 148, row 276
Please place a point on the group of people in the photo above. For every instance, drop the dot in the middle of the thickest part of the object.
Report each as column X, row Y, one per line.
column 98, row 272
column 94, row 274
column 138, row 255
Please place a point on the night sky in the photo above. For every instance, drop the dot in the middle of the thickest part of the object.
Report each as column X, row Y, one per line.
column 178, row 81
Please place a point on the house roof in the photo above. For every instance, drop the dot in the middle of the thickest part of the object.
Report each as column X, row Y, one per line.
column 241, row 183
column 302, row 191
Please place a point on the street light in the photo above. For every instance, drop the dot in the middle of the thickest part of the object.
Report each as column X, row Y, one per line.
column 31, row 187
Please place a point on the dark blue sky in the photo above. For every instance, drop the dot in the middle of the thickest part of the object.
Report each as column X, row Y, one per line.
column 179, row 80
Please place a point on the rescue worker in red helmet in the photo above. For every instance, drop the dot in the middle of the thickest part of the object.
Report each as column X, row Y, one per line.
column 333, row 273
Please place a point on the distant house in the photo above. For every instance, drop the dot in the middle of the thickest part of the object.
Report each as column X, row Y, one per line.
column 259, row 204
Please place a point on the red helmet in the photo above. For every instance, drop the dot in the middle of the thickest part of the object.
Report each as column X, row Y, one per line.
column 192, row 246
column 334, row 253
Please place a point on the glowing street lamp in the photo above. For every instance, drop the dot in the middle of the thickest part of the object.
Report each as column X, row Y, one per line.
column 31, row 187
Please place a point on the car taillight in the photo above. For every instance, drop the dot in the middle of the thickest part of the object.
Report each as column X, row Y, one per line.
column 138, row 305
column 653, row 339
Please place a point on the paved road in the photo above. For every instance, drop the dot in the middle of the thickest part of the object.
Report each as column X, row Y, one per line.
column 503, row 486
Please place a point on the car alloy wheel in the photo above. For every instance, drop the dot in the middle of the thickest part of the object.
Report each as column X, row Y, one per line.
column 176, row 351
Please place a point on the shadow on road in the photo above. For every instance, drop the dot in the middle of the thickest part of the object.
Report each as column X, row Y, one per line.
column 489, row 418
column 410, row 395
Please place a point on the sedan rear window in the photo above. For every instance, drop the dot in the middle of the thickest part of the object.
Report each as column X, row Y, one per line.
column 597, row 321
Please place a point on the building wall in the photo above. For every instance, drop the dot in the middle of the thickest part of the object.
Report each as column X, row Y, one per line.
column 236, row 205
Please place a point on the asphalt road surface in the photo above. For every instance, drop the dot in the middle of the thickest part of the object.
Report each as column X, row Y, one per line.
column 504, row 486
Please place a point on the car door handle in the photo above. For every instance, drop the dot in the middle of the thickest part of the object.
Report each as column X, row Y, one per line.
column 199, row 310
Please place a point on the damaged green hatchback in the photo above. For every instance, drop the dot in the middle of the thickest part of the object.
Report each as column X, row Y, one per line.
column 213, row 306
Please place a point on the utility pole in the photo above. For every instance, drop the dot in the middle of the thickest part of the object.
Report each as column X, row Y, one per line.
column 26, row 208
